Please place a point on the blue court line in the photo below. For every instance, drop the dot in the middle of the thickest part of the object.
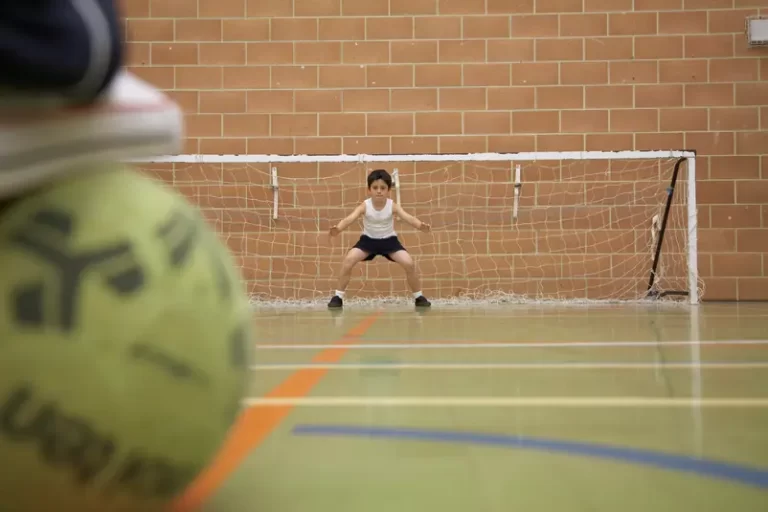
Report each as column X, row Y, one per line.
column 746, row 475
column 511, row 365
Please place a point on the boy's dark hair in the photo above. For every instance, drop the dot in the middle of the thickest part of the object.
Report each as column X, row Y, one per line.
column 380, row 174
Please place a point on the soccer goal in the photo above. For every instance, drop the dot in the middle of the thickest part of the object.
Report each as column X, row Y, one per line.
column 506, row 227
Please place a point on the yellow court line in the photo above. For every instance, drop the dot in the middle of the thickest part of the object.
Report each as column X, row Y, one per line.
column 257, row 422
column 533, row 401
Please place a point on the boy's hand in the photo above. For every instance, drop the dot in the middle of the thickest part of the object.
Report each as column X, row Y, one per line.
column 424, row 227
column 334, row 231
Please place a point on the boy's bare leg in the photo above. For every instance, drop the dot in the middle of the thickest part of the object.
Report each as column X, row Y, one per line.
column 404, row 259
column 353, row 257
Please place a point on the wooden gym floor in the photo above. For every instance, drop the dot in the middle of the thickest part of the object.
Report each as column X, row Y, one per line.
column 501, row 408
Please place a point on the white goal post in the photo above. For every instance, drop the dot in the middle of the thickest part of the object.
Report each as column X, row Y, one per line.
column 532, row 226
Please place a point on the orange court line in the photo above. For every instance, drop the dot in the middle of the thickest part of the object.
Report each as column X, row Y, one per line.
column 257, row 422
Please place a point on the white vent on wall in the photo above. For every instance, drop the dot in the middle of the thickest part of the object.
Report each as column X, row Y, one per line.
column 757, row 30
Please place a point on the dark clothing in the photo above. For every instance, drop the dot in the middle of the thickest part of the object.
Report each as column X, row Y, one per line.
column 67, row 49
column 379, row 246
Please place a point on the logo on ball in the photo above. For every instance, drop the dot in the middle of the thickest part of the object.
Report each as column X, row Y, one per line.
column 47, row 236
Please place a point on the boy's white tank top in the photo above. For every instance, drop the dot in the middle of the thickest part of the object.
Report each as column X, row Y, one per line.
column 378, row 223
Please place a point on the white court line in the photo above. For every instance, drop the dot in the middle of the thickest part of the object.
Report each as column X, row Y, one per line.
column 537, row 401
column 560, row 344
column 505, row 366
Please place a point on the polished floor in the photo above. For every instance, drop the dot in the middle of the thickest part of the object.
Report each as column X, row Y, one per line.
column 501, row 408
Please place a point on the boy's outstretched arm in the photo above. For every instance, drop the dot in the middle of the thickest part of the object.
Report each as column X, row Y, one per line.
column 349, row 219
column 410, row 219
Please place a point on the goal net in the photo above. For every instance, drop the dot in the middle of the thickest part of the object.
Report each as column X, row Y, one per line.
column 523, row 227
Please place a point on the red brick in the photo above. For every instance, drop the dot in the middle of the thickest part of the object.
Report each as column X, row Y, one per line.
column 342, row 124
column 365, row 100
column 733, row 70
column 174, row 54
column 487, row 122
column 389, row 76
column 583, row 25
column 558, row 6
column 752, row 143
column 637, row 120
column 486, row 75
column 609, row 96
column 317, row 101
column 219, row 9
column 609, row 48
column 637, row 72
column 706, row 95
column 738, row 118
column 400, row 7
column 390, row 124
column 486, row 27
column 510, row 50
column 134, row 8
column 583, row 73
column 294, row 77
column 268, row 8
column 510, row 6
column 199, row 30
column 708, row 46
column 437, row 27
column 511, row 98
column 414, row 51
column 252, row 77
column 584, row 121
column 735, row 216
column 560, row 49
column 224, row 102
column 341, row 29
column 241, row 30
column 658, row 47
column 196, row 77
column 366, row 52
column 560, row 97
column 438, row 123
column 534, row 25
column 173, row 9
column 293, row 29
column 681, row 71
column 658, row 96
column 683, row 119
column 389, row 28
column 270, row 53
column 420, row 99
column 711, row 143
column 463, row 98
column 630, row 24
column 246, row 125
column 540, row 73
column 367, row 8
column 316, row 7
column 685, row 22
column 734, row 167
column 461, row 51
column 752, row 93
column 438, row 75
column 535, row 122
column 317, row 53
column 461, row 6
column 150, row 30
column 607, row 5
column 270, row 101
column 222, row 54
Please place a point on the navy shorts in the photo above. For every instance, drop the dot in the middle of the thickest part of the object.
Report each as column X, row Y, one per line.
column 379, row 246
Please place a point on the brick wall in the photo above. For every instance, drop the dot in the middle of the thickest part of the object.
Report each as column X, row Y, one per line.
column 429, row 76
